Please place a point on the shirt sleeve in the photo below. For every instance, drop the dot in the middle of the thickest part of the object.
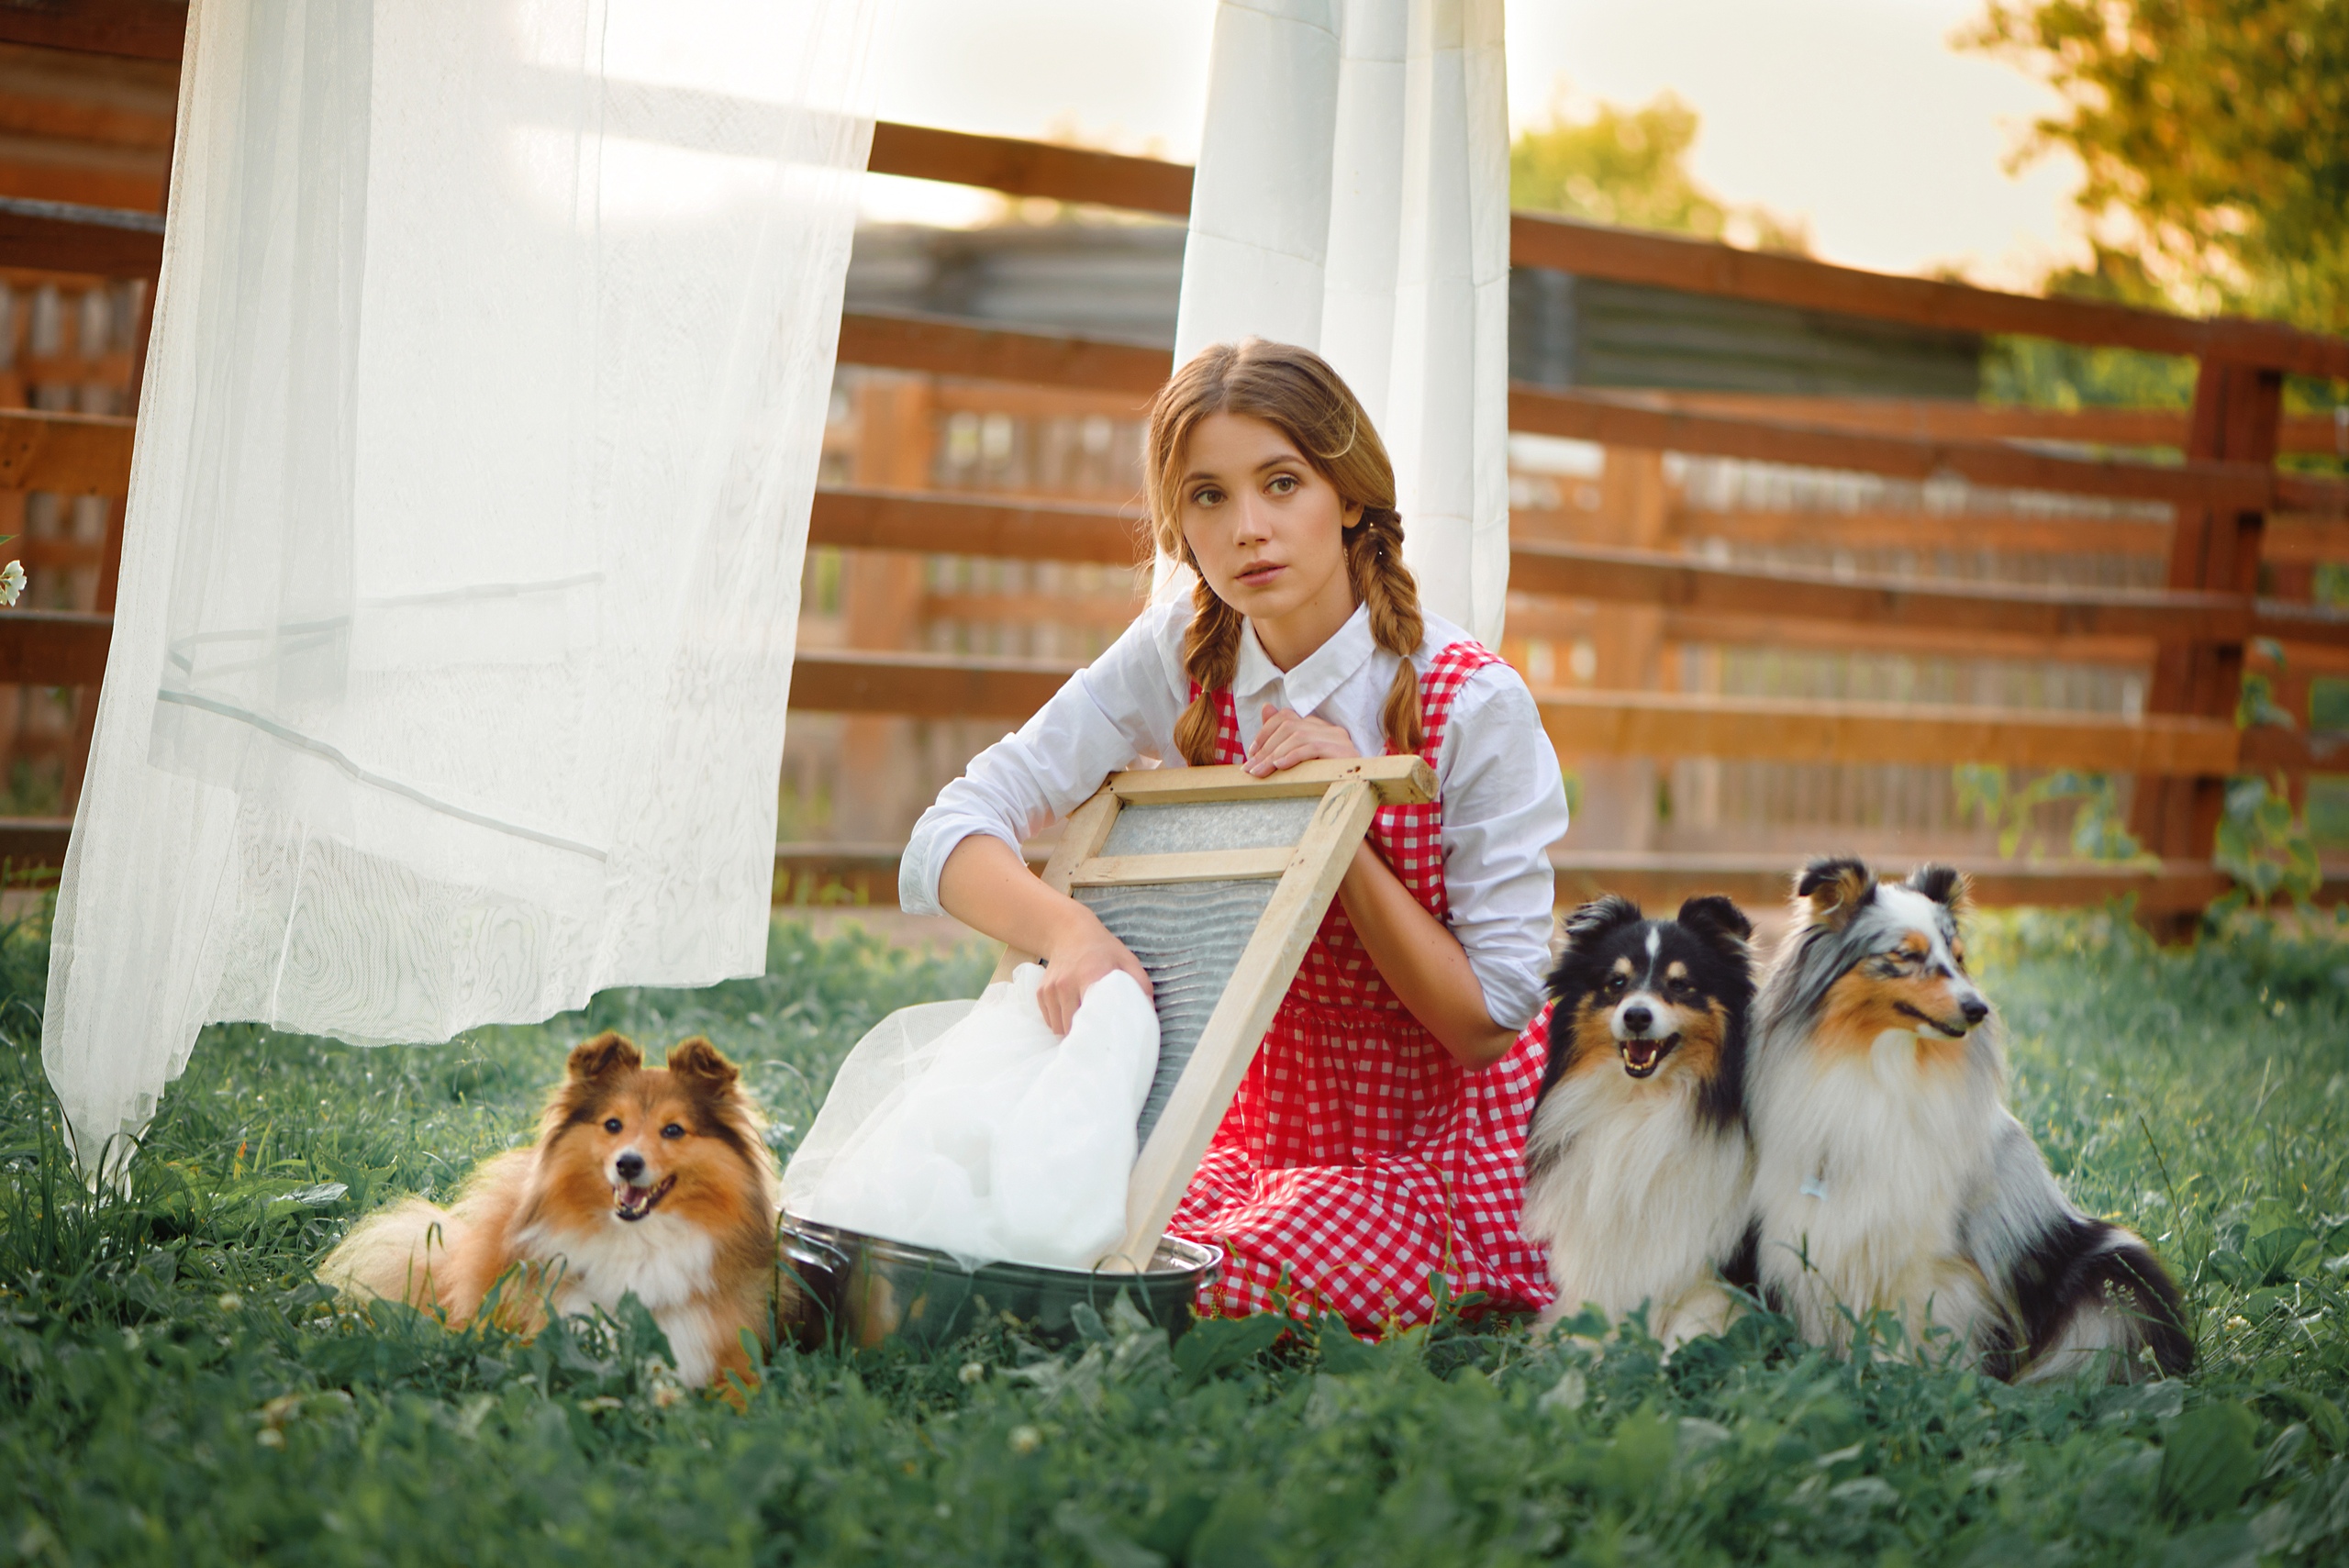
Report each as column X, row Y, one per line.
column 1111, row 712
column 1504, row 805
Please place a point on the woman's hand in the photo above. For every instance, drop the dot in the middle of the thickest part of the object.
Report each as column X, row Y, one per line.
column 1074, row 960
column 1290, row 738
column 986, row 886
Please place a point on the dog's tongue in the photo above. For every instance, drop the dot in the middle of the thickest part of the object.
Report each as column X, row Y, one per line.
column 634, row 1198
column 1642, row 1052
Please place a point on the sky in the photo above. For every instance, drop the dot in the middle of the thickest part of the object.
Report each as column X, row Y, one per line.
column 1856, row 115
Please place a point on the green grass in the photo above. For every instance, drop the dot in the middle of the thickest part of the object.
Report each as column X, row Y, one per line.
column 177, row 1390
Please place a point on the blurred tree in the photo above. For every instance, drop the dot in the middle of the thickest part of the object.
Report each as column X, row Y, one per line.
column 1629, row 167
column 2215, row 137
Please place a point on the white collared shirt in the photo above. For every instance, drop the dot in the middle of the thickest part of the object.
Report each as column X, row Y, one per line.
column 1504, row 801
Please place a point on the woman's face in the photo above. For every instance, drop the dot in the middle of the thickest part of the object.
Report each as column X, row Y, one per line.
column 1268, row 533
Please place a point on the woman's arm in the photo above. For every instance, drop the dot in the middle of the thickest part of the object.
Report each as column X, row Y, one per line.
column 963, row 857
column 1417, row 954
column 1421, row 959
column 987, row 887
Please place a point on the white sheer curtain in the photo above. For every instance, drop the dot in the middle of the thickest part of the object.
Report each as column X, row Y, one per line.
column 1353, row 196
column 461, row 565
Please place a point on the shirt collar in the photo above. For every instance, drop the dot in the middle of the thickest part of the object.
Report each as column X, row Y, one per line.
column 1318, row 674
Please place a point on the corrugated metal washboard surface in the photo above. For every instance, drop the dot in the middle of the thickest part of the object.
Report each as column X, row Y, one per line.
column 1190, row 935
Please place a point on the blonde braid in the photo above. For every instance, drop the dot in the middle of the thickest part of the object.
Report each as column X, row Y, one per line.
column 1210, row 657
column 1381, row 580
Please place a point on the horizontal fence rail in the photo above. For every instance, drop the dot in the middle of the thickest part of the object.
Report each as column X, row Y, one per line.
column 1668, row 725
column 1702, row 266
column 942, row 345
column 65, row 237
column 1695, row 266
column 70, row 453
column 1606, row 724
column 866, row 875
column 1616, row 420
column 1944, row 420
column 136, row 29
column 931, row 522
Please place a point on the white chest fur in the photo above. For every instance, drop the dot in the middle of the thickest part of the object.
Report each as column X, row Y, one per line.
column 663, row 1261
column 1636, row 1200
column 1865, row 1168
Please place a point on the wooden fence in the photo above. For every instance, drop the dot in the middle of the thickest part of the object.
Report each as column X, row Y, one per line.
column 2202, row 527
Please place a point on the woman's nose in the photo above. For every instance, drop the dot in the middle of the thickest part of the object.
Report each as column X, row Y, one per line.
column 1248, row 525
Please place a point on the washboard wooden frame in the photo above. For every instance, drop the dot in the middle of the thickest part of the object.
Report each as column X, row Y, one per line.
column 1307, row 874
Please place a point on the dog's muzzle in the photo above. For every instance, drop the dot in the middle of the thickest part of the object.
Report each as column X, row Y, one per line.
column 1641, row 1057
column 632, row 1203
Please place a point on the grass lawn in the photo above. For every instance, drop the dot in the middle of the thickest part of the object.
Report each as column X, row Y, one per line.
column 174, row 1387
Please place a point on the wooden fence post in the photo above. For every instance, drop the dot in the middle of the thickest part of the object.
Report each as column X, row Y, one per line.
column 881, row 602
column 2237, row 415
column 1619, row 794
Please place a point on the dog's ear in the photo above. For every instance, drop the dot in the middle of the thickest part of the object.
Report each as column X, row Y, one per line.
column 1832, row 889
column 1945, row 886
column 1598, row 916
column 1717, row 922
column 699, row 1061
column 607, row 1053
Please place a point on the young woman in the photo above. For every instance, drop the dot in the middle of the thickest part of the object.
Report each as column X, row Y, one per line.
column 1377, row 1140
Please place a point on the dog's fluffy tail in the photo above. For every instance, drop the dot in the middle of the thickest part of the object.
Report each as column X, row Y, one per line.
column 396, row 1253
column 2086, row 1298
column 2100, row 1304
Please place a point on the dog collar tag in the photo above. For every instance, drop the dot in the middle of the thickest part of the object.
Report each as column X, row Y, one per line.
column 1815, row 1186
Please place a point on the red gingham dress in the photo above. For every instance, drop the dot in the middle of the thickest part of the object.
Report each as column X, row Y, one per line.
column 1358, row 1157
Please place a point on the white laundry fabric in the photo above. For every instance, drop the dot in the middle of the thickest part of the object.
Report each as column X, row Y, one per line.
column 462, row 561
column 973, row 1128
column 1504, row 800
column 1353, row 196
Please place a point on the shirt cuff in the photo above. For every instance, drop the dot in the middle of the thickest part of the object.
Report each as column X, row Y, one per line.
column 1511, row 1000
column 933, row 841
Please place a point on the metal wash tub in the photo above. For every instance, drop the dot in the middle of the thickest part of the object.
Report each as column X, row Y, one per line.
column 859, row 1291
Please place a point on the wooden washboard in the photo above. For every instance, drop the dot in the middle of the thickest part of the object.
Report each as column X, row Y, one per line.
column 1217, row 881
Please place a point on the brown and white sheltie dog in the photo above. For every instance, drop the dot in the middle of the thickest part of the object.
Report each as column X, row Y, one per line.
column 651, row 1180
column 1888, row 1174
column 1636, row 1160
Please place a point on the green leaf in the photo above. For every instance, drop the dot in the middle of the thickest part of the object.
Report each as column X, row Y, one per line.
column 1216, row 1344
column 1340, row 1352
column 2208, row 1460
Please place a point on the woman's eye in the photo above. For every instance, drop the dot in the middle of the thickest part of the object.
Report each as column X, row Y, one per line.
column 673, row 1130
column 612, row 1124
column 1282, row 485
column 1207, row 497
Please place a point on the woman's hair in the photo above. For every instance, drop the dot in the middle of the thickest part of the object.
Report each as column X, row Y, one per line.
column 1295, row 390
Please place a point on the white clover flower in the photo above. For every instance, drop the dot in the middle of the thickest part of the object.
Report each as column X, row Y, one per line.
column 12, row 582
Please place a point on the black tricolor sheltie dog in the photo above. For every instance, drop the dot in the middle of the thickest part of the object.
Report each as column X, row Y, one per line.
column 1636, row 1161
column 1888, row 1174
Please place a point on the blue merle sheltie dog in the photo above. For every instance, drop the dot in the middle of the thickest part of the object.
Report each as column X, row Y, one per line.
column 1889, row 1174
column 1636, row 1160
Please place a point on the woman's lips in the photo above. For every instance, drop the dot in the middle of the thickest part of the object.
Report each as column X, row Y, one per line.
column 1258, row 575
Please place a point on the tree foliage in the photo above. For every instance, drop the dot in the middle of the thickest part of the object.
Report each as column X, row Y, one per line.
column 1629, row 167
column 2215, row 139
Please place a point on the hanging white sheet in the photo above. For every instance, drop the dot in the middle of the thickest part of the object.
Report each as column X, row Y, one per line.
column 461, row 568
column 1353, row 196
